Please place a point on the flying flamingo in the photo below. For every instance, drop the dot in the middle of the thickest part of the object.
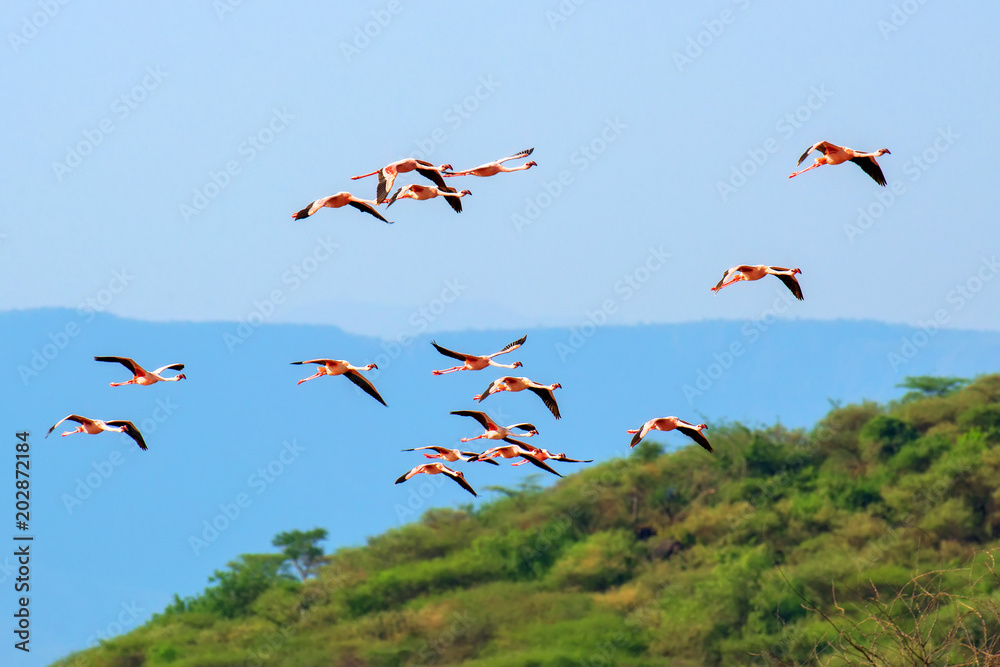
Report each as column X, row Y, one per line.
column 511, row 451
column 422, row 192
column 495, row 167
column 669, row 424
column 450, row 455
column 339, row 367
column 509, row 383
column 544, row 454
column 493, row 430
column 387, row 174
column 834, row 154
column 141, row 375
column 94, row 426
column 758, row 271
column 338, row 200
column 436, row 468
column 472, row 362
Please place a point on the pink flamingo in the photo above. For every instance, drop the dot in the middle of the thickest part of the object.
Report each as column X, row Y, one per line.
column 473, row 362
column 669, row 424
column 758, row 271
column 834, row 154
column 338, row 200
column 495, row 167
column 94, row 426
column 140, row 375
column 340, row 367
column 435, row 469
column 509, row 383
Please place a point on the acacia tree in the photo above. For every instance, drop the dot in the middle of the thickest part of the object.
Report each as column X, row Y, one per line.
column 301, row 549
column 928, row 385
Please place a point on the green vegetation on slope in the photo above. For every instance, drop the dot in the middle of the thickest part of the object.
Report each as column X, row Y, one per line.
column 865, row 541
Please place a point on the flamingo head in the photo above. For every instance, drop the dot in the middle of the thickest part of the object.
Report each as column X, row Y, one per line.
column 702, row 427
column 182, row 377
column 531, row 164
column 465, row 192
column 517, row 364
column 445, row 167
column 884, row 151
column 794, row 271
column 557, row 386
column 371, row 367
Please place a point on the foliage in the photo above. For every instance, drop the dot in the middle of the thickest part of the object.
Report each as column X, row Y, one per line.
column 867, row 540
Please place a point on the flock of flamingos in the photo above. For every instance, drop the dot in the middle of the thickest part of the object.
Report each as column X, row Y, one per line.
column 512, row 448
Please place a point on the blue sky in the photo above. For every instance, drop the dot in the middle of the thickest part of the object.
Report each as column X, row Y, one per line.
column 645, row 125
column 154, row 157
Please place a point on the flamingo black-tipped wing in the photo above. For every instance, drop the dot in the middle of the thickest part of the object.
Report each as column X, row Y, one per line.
column 131, row 431
column 461, row 481
column 640, row 434
column 322, row 362
column 361, row 206
column 870, row 167
column 524, row 153
column 365, row 385
column 432, row 175
column 548, row 399
column 386, row 177
column 696, row 435
column 392, row 199
column 449, row 353
column 474, row 456
column 486, row 393
column 569, row 460
column 454, row 202
column 524, row 427
column 821, row 146
column 73, row 418
column 540, row 464
column 510, row 347
column 124, row 361
column 169, row 367
column 481, row 417
column 793, row 285
column 403, row 477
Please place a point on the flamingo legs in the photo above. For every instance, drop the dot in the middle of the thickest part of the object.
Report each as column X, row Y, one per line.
column 312, row 377
column 716, row 289
column 354, row 178
column 79, row 429
column 448, row 370
column 817, row 163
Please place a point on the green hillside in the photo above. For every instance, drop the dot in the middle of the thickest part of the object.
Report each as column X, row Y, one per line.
column 868, row 540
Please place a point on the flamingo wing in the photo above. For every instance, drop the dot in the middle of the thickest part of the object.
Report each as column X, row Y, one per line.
column 696, row 435
column 169, row 367
column 870, row 167
column 461, row 481
column 489, row 389
column 792, row 284
column 454, row 202
column 481, row 417
column 131, row 431
column 822, row 146
column 130, row 364
column 432, row 175
column 474, row 456
column 73, row 418
column 524, row 153
column 539, row 464
column 365, row 385
column 367, row 208
column 510, row 347
column 449, row 353
column 641, row 433
column 548, row 399
column 386, row 177
column 393, row 198
column 322, row 362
